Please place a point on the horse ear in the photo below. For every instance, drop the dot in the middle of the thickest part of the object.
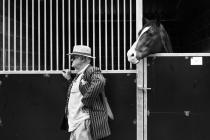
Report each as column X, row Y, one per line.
column 157, row 18
column 145, row 20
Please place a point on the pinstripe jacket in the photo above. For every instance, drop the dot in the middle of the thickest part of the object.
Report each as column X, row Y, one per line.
column 91, row 86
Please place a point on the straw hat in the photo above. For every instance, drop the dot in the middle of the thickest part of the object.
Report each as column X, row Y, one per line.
column 82, row 50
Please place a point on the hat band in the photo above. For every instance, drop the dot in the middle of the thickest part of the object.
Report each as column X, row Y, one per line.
column 81, row 53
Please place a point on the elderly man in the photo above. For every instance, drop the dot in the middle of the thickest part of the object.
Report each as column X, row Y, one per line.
column 85, row 113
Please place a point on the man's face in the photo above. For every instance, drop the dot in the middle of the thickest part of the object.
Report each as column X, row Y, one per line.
column 77, row 61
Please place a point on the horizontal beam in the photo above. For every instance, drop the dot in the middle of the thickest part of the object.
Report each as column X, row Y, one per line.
column 59, row 72
column 178, row 54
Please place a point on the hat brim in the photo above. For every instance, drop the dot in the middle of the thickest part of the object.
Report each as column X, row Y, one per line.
column 81, row 55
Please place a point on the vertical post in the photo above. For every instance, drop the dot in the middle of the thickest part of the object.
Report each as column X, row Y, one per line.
column 15, row 35
column 99, row 33
column 124, row 35
column 112, row 34
column 21, row 36
column 81, row 23
column 57, row 39
column 94, row 62
column 63, row 25
column 140, row 79
column 51, row 38
column 87, row 20
column 106, row 55
column 26, row 34
column 39, row 38
column 75, row 22
column 69, row 32
column 3, row 50
column 8, row 35
column 118, row 33
column 45, row 35
column 33, row 35
column 131, row 27
column 145, row 99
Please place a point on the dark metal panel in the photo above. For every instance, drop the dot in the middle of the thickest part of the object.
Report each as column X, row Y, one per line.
column 169, row 127
column 178, row 103
column 177, row 85
column 32, row 106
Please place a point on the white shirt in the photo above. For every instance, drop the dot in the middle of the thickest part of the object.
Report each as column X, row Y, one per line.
column 76, row 115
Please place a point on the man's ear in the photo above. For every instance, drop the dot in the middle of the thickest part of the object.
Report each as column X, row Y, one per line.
column 83, row 59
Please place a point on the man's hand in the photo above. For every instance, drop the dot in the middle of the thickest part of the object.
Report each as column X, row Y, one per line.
column 66, row 74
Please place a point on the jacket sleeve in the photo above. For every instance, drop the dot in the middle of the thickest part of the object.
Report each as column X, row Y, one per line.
column 97, row 83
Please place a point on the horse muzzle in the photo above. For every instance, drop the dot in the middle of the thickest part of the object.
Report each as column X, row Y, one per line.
column 132, row 58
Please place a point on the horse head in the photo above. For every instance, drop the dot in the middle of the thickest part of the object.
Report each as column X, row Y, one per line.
column 152, row 38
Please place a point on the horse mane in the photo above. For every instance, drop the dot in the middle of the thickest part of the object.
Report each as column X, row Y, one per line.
column 166, row 39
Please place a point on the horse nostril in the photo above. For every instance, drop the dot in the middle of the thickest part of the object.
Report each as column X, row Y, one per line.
column 132, row 55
